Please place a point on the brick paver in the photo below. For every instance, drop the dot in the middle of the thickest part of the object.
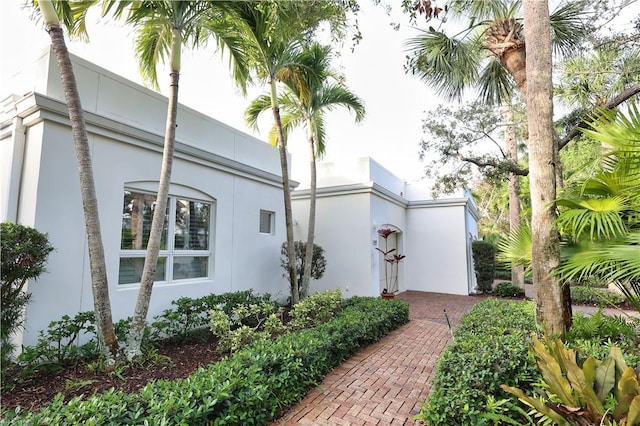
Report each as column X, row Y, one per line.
column 386, row 383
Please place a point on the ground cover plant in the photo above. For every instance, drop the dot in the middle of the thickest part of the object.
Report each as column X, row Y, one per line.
column 253, row 385
column 492, row 347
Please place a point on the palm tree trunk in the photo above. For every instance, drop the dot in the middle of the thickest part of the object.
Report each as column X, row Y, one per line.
column 136, row 332
column 308, row 254
column 99, row 282
column 545, row 250
column 288, row 214
column 517, row 272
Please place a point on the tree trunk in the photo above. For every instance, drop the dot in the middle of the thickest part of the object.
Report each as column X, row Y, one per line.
column 99, row 282
column 545, row 250
column 136, row 332
column 308, row 254
column 288, row 214
column 517, row 272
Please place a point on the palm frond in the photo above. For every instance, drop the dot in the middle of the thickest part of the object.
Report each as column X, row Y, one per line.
column 599, row 217
column 495, row 83
column 448, row 65
column 515, row 248
column 256, row 107
column 568, row 28
column 614, row 260
column 153, row 46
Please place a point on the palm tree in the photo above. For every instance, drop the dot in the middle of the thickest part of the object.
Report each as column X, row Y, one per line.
column 274, row 33
column 326, row 91
column 99, row 282
column 490, row 56
column 162, row 28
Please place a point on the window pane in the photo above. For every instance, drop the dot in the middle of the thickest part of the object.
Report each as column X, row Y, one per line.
column 265, row 222
column 192, row 225
column 131, row 270
column 137, row 214
column 190, row 267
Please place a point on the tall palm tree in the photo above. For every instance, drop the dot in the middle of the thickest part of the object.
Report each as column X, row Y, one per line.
column 99, row 282
column 162, row 29
column 490, row 56
column 326, row 91
column 274, row 32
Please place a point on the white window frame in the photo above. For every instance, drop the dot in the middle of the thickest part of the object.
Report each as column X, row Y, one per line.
column 272, row 222
column 170, row 252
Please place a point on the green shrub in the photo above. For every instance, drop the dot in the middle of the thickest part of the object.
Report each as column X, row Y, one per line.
column 23, row 255
column 474, row 366
column 315, row 309
column 506, row 289
column 58, row 344
column 233, row 330
column 484, row 262
column 251, row 387
column 190, row 317
column 595, row 296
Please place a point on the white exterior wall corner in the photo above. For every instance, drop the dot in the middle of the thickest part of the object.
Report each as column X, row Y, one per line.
column 127, row 154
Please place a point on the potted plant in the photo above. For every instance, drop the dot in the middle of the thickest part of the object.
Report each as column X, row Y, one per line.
column 391, row 261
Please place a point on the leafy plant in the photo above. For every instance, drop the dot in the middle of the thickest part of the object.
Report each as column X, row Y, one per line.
column 59, row 343
column 234, row 331
column 315, row 309
column 506, row 289
column 318, row 263
column 24, row 253
column 597, row 392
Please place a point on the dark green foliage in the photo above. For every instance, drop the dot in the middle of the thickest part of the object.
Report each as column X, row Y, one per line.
column 484, row 262
column 474, row 366
column 190, row 317
column 506, row 289
column 318, row 263
column 252, row 387
column 58, row 344
column 23, row 256
column 595, row 296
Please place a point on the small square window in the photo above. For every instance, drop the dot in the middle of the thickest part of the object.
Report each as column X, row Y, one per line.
column 266, row 222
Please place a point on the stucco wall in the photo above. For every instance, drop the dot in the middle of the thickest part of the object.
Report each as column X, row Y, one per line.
column 437, row 240
column 238, row 174
column 343, row 230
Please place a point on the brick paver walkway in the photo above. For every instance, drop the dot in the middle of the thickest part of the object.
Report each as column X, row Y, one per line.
column 386, row 383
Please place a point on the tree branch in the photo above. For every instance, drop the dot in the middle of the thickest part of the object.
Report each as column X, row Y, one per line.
column 507, row 166
column 627, row 93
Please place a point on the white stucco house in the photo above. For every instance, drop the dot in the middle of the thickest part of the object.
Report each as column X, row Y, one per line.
column 225, row 215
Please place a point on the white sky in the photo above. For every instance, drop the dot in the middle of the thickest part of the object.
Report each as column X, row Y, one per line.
column 394, row 101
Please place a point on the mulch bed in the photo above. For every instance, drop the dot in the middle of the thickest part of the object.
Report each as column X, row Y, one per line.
column 34, row 392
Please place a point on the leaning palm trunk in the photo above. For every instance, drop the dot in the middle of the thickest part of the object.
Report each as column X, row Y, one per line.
column 99, row 282
column 503, row 40
column 136, row 332
column 548, row 292
column 308, row 254
column 288, row 214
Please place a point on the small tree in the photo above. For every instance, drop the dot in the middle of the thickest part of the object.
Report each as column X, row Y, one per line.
column 24, row 253
column 318, row 264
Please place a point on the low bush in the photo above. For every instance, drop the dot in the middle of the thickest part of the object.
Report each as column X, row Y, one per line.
column 315, row 309
column 595, row 296
column 506, row 289
column 473, row 366
column 251, row 387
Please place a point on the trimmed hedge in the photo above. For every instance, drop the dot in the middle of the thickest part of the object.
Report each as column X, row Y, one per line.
column 491, row 347
column 484, row 262
column 251, row 387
